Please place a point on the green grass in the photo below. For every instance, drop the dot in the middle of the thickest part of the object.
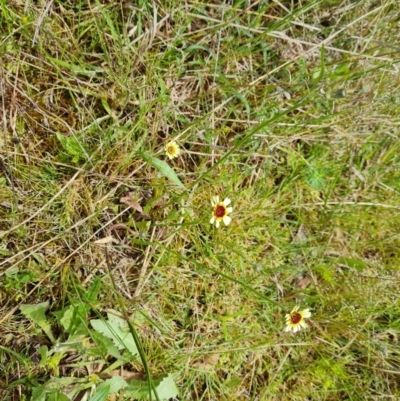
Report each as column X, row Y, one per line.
column 290, row 109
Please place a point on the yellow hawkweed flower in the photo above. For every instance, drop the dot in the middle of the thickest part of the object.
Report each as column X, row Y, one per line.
column 172, row 149
column 220, row 211
column 295, row 319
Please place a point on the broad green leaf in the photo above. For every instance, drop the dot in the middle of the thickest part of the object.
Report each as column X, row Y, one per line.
column 67, row 320
column 233, row 382
column 73, row 319
column 57, row 396
column 117, row 329
column 43, row 351
column 163, row 168
column 114, row 384
column 102, row 394
column 38, row 394
column 36, row 313
column 165, row 387
column 137, row 389
column 104, row 347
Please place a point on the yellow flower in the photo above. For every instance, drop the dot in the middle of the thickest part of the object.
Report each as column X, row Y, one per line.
column 295, row 319
column 172, row 149
column 220, row 211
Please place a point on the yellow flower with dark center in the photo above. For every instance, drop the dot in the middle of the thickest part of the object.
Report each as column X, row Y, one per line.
column 295, row 319
column 172, row 149
column 220, row 211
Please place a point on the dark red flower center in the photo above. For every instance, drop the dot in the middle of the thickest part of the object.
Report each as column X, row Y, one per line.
column 220, row 211
column 295, row 317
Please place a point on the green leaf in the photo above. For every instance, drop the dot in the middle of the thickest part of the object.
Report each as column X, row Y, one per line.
column 43, row 351
column 36, row 313
column 114, row 384
column 38, row 394
column 353, row 263
column 93, row 290
column 117, row 330
column 163, row 168
column 102, row 394
column 196, row 48
column 104, row 347
column 87, row 70
column 242, row 98
column 107, row 108
column 72, row 146
column 73, row 319
column 316, row 178
column 137, row 389
column 319, row 73
column 165, row 387
column 325, row 273
column 57, row 383
column 57, row 396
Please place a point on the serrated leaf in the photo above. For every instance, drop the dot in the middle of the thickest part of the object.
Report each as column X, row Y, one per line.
column 104, row 347
column 163, row 168
column 36, row 313
column 117, row 330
